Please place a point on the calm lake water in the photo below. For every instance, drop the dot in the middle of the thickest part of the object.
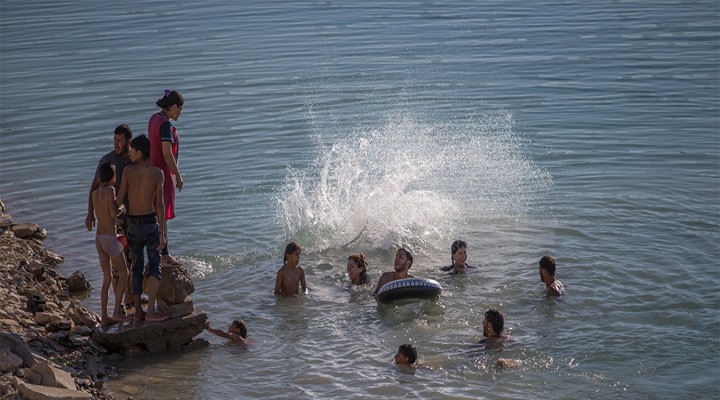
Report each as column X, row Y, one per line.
column 588, row 131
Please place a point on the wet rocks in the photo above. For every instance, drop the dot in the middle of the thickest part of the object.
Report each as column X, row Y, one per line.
column 47, row 339
column 77, row 282
column 142, row 338
column 9, row 361
column 175, row 285
column 41, row 328
column 151, row 337
column 28, row 230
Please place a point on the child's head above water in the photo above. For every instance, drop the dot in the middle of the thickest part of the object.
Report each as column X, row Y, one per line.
column 407, row 354
column 291, row 248
column 239, row 327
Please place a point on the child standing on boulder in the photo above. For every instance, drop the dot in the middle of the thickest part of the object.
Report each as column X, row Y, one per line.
column 291, row 274
column 108, row 246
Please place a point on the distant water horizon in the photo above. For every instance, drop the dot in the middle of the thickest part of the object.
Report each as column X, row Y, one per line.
column 590, row 132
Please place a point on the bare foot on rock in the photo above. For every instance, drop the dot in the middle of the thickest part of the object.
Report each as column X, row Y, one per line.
column 154, row 317
column 120, row 318
column 140, row 316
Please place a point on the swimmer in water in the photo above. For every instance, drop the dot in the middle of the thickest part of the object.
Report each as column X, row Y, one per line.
column 406, row 355
column 291, row 274
column 237, row 331
column 357, row 268
column 553, row 287
column 403, row 262
column 493, row 325
column 458, row 258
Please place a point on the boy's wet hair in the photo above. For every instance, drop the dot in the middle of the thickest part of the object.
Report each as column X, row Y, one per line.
column 106, row 172
column 548, row 264
column 240, row 324
column 456, row 245
column 497, row 320
column 409, row 351
column 141, row 143
column 291, row 248
column 124, row 129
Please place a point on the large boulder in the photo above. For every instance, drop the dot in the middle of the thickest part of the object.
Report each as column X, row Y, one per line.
column 176, row 310
column 26, row 230
column 77, row 282
column 175, row 285
column 171, row 334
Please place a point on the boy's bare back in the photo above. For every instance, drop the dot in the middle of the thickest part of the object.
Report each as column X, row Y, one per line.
column 146, row 182
column 289, row 279
column 106, row 211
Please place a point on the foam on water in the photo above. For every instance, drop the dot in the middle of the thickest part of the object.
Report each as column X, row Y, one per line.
column 409, row 181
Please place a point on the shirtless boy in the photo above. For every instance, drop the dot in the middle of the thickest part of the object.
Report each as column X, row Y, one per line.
column 493, row 325
column 291, row 274
column 406, row 355
column 108, row 247
column 547, row 268
column 143, row 184
column 118, row 158
column 403, row 262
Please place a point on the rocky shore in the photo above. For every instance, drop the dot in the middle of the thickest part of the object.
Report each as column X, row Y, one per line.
column 51, row 345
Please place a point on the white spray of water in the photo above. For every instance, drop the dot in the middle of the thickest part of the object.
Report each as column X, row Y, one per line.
column 408, row 182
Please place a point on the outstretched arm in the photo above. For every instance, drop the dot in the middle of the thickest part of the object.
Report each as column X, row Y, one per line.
column 227, row 335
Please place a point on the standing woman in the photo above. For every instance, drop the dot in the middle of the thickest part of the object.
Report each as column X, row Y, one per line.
column 164, row 147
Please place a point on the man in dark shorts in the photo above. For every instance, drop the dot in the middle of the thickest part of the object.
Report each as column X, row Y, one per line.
column 143, row 183
column 118, row 158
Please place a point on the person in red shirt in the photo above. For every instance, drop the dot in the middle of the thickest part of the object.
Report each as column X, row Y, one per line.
column 164, row 149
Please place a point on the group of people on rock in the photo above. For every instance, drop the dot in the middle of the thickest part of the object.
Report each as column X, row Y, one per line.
column 131, row 198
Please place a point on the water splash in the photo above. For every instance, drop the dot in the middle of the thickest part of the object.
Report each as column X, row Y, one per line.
column 197, row 268
column 408, row 182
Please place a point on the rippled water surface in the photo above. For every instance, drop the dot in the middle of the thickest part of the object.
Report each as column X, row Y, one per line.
column 589, row 131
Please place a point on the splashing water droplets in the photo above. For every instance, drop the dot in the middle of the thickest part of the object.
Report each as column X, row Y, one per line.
column 407, row 182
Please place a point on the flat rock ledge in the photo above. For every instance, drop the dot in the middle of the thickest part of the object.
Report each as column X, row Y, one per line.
column 137, row 338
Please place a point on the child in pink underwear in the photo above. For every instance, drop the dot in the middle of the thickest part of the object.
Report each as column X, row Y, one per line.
column 108, row 246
